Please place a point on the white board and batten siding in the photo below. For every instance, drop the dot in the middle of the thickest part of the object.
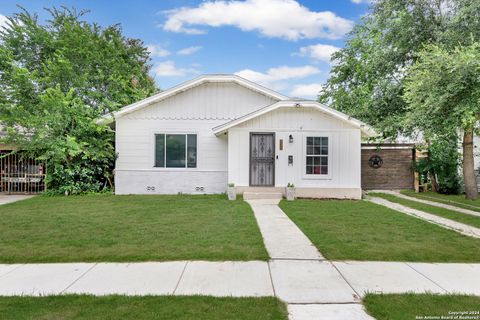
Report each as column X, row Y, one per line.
column 343, row 180
column 196, row 110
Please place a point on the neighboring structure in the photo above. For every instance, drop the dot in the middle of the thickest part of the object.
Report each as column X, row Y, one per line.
column 388, row 166
column 476, row 159
column 218, row 129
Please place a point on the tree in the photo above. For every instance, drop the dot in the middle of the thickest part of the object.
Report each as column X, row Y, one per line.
column 442, row 90
column 367, row 77
column 441, row 164
column 366, row 80
column 56, row 79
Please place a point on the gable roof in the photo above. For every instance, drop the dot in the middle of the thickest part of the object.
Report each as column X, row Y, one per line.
column 365, row 129
column 196, row 82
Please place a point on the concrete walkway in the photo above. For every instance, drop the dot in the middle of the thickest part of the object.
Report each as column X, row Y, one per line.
column 220, row 279
column 282, row 238
column 286, row 279
column 4, row 198
column 433, row 203
column 312, row 287
column 440, row 221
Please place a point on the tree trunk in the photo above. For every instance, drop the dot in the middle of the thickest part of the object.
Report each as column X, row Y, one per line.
column 469, row 179
column 433, row 179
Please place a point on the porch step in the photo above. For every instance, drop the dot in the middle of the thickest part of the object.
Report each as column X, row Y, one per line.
column 262, row 195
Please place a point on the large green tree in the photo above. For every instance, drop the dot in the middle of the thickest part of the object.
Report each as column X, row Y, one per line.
column 56, row 79
column 367, row 78
column 442, row 90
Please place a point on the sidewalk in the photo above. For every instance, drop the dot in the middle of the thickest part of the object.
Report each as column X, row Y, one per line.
column 238, row 279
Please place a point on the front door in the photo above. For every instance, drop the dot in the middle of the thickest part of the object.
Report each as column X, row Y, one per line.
column 262, row 159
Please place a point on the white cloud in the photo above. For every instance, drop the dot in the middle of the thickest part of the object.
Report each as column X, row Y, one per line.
column 3, row 21
column 321, row 52
column 168, row 69
column 361, row 1
column 188, row 51
column 157, row 51
column 275, row 77
column 273, row 18
column 306, row 90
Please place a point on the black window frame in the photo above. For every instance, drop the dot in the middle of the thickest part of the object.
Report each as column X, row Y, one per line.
column 190, row 141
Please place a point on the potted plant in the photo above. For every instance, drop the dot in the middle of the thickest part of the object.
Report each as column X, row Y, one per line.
column 290, row 192
column 232, row 193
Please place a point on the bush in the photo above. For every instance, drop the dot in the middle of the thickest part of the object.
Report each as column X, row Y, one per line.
column 443, row 163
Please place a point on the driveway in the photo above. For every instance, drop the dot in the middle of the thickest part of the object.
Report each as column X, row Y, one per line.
column 9, row 198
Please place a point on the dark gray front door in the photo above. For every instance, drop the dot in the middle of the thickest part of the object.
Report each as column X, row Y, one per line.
column 262, row 159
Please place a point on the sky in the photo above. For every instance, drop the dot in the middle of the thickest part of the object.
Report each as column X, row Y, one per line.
column 284, row 45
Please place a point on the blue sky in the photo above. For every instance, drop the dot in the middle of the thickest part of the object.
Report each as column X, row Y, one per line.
column 282, row 44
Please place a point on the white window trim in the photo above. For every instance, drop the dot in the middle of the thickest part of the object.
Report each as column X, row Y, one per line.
column 304, row 156
column 154, row 168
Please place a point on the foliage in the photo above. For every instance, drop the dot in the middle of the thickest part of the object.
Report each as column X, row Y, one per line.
column 442, row 162
column 443, row 94
column 368, row 77
column 371, row 77
column 443, row 89
column 56, row 80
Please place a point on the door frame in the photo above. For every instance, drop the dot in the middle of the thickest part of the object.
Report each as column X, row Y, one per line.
column 250, row 159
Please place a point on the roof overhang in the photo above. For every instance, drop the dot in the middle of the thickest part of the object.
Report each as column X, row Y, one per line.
column 218, row 78
column 366, row 130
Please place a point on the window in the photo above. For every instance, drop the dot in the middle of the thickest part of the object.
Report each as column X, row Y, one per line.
column 317, row 156
column 176, row 150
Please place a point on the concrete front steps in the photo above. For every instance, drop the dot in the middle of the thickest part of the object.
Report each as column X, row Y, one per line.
column 250, row 195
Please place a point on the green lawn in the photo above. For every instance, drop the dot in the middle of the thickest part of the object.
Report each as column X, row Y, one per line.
column 139, row 308
column 445, row 213
column 361, row 230
column 128, row 228
column 426, row 306
column 457, row 200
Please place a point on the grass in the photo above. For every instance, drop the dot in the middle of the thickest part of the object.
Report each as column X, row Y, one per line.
column 457, row 200
column 473, row 221
column 139, row 308
column 361, row 230
column 421, row 306
column 128, row 228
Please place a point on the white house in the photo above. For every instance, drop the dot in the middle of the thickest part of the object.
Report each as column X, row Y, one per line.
column 217, row 129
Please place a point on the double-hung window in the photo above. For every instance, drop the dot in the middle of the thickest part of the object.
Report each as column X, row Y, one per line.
column 316, row 156
column 175, row 150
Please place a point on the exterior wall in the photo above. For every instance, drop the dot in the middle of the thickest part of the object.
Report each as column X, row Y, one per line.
column 476, row 158
column 210, row 101
column 197, row 111
column 396, row 171
column 344, row 152
column 476, row 152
